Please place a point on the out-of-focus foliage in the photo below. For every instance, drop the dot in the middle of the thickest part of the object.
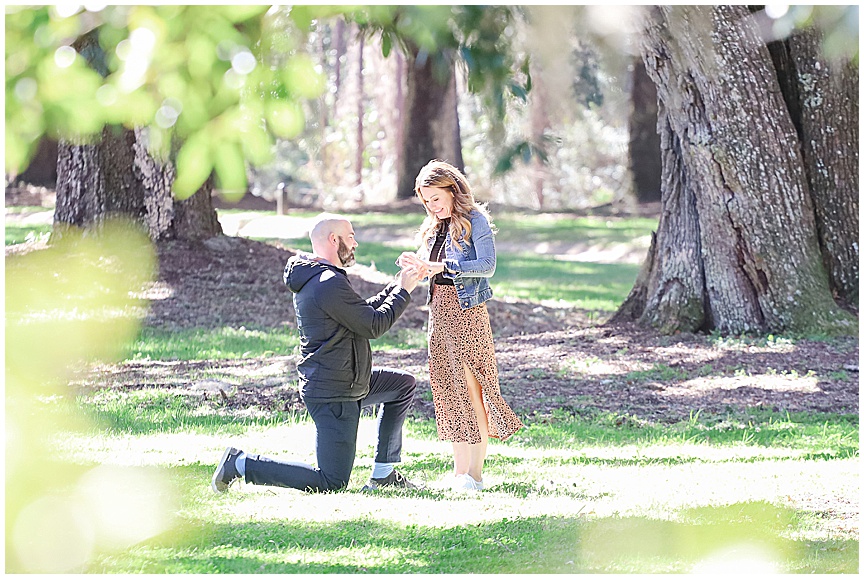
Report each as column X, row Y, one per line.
column 67, row 306
column 222, row 81
column 838, row 24
column 478, row 38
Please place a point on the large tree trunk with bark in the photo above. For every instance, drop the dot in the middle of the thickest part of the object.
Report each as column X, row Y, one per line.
column 736, row 249
column 644, row 142
column 431, row 121
column 117, row 178
column 822, row 98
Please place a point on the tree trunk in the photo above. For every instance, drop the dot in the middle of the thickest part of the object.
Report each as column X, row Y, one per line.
column 431, row 121
column 399, row 113
column 117, row 177
column 539, row 122
column 358, row 161
column 339, row 47
column 736, row 250
column 42, row 170
column 644, row 143
column 822, row 98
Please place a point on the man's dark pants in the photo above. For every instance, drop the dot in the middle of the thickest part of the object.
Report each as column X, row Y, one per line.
column 336, row 437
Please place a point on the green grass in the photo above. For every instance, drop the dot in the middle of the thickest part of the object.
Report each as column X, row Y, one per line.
column 229, row 343
column 591, row 286
column 525, row 544
column 557, row 228
column 525, row 275
column 567, row 495
column 20, row 233
column 206, row 344
column 817, row 435
column 152, row 411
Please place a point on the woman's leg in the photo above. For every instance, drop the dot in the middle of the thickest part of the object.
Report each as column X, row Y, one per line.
column 476, row 453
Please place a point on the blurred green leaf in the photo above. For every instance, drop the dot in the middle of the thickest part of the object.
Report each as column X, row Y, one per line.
column 386, row 44
column 285, row 119
column 194, row 165
column 230, row 171
column 302, row 79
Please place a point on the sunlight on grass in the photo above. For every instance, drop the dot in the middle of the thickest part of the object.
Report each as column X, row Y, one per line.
column 524, row 275
column 205, row 344
column 546, row 487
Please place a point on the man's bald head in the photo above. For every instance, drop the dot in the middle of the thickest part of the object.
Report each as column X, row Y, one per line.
column 328, row 233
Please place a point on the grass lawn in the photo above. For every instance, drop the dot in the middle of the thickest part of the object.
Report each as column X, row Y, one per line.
column 116, row 480
column 568, row 495
column 521, row 273
column 24, row 223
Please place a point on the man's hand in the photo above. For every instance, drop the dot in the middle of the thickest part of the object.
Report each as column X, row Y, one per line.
column 426, row 268
column 410, row 276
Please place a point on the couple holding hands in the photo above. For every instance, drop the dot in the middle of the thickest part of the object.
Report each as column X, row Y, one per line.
column 337, row 379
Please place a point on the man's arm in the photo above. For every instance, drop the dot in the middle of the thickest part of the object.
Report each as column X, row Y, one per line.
column 336, row 297
column 378, row 299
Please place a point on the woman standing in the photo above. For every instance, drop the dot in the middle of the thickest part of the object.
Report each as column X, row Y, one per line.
column 458, row 251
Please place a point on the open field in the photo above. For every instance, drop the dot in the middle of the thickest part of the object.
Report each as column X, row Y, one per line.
column 641, row 453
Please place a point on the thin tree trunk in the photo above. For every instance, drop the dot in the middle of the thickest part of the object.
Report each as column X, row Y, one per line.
column 358, row 161
column 729, row 140
column 431, row 121
column 539, row 118
column 644, row 142
column 400, row 105
column 340, row 48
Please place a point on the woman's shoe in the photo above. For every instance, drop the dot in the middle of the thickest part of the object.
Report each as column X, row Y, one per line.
column 467, row 483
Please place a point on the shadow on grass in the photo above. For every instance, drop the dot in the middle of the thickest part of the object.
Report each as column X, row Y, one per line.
column 747, row 536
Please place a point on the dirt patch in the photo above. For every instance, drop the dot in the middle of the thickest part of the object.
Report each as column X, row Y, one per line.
column 550, row 359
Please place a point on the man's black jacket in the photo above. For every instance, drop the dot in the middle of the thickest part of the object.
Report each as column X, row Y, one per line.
column 335, row 327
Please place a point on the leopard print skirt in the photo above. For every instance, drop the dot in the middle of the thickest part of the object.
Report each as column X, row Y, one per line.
column 457, row 335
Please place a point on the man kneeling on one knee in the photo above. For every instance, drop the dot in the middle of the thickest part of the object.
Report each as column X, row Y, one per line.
column 336, row 374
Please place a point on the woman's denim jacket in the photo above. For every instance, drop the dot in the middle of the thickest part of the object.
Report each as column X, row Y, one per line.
column 470, row 268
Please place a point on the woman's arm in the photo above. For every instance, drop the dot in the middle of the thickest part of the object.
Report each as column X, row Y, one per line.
column 484, row 245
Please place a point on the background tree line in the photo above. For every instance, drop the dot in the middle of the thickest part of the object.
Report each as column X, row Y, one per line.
column 155, row 106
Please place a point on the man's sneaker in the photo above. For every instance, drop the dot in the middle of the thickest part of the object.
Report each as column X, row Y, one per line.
column 394, row 479
column 226, row 471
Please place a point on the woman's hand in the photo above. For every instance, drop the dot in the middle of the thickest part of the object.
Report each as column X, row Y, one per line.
column 434, row 267
column 409, row 258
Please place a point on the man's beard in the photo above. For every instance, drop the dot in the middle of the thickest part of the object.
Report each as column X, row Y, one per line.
column 346, row 256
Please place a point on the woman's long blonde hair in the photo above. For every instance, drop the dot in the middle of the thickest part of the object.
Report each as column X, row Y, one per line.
column 445, row 176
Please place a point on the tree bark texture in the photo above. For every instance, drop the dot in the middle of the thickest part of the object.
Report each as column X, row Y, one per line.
column 431, row 121
column 736, row 250
column 117, row 177
column 644, row 143
column 828, row 125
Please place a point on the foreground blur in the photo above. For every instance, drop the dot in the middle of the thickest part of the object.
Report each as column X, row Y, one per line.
column 66, row 306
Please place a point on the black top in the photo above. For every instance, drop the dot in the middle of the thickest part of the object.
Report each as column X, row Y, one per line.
column 437, row 253
column 335, row 327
